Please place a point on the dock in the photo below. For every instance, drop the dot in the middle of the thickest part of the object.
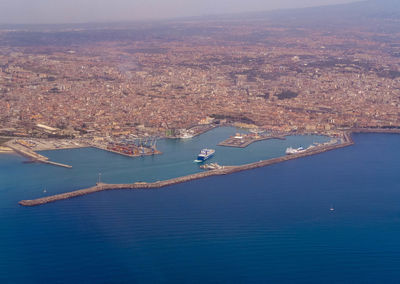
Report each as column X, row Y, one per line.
column 346, row 141
column 156, row 152
column 32, row 155
column 244, row 140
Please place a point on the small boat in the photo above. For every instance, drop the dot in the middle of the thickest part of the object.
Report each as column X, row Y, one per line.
column 291, row 151
column 211, row 166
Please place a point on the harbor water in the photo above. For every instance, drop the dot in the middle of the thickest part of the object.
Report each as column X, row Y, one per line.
column 332, row 218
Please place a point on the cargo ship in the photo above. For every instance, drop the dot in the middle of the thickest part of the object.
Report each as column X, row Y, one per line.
column 205, row 154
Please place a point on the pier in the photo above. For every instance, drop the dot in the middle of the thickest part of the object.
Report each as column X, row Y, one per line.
column 131, row 147
column 244, row 140
column 147, row 153
column 347, row 141
column 32, row 155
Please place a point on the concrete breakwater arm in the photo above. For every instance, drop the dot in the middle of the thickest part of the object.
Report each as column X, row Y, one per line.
column 159, row 184
column 376, row 130
column 104, row 186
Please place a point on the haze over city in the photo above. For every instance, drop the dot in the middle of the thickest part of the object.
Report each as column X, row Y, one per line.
column 82, row 11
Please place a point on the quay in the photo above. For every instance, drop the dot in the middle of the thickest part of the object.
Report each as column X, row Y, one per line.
column 35, row 157
column 346, row 141
column 194, row 131
column 244, row 140
column 156, row 152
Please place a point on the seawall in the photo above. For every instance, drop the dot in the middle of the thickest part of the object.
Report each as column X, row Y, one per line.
column 159, row 184
column 376, row 130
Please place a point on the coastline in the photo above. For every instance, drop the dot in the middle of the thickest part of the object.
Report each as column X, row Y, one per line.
column 4, row 150
column 347, row 141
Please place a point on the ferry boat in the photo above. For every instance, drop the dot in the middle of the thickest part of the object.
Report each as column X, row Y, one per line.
column 205, row 154
column 291, row 151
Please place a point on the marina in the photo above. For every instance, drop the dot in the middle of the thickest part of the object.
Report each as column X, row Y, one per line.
column 212, row 169
column 133, row 147
column 347, row 141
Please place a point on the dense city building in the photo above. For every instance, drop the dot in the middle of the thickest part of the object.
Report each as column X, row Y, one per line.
column 142, row 80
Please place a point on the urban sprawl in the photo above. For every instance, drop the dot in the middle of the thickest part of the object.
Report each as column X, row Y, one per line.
column 185, row 77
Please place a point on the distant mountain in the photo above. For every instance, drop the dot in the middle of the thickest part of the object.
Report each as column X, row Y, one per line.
column 374, row 15
column 381, row 16
column 357, row 11
column 387, row 9
column 361, row 11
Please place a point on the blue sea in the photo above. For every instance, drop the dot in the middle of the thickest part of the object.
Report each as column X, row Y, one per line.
column 268, row 225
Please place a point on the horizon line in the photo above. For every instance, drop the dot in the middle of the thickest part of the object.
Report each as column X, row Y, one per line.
column 176, row 18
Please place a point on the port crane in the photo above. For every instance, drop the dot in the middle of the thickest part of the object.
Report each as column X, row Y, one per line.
column 142, row 143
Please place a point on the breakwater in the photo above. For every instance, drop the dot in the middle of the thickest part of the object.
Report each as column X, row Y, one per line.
column 376, row 130
column 347, row 141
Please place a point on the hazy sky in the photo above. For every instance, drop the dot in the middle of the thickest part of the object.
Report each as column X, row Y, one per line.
column 73, row 11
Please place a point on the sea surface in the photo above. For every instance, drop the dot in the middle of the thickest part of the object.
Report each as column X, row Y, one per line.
column 268, row 225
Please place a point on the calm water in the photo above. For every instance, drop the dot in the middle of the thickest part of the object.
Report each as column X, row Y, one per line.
column 271, row 224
